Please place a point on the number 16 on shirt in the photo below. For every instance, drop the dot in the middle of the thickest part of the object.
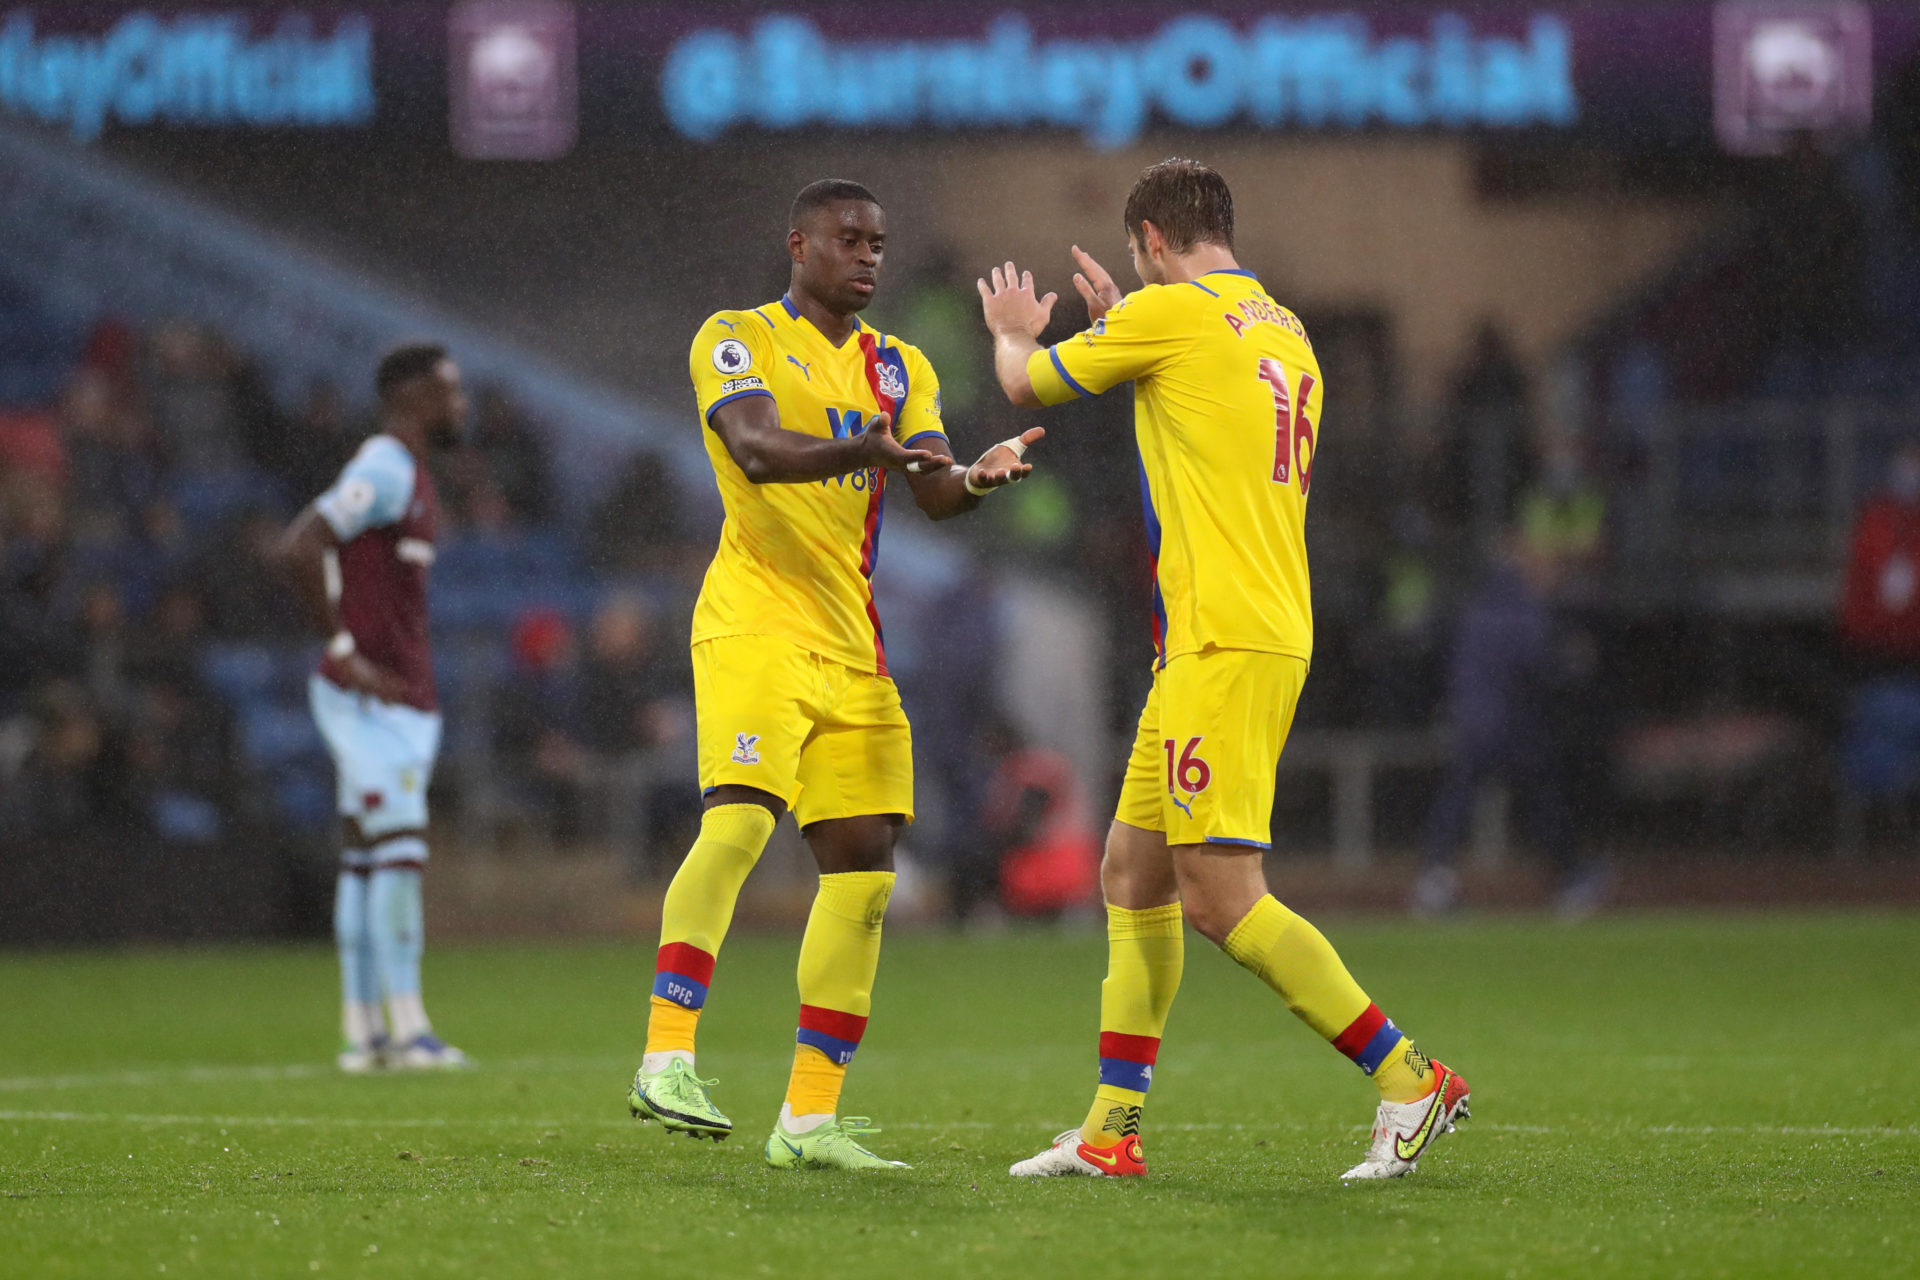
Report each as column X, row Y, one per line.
column 1293, row 433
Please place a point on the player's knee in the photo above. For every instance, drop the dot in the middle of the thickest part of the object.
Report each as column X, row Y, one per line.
column 732, row 794
column 1210, row 918
column 1137, row 871
column 852, row 844
column 1137, row 883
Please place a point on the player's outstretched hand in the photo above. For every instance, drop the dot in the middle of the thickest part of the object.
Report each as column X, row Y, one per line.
column 1010, row 305
column 1002, row 464
column 880, row 449
column 1095, row 285
column 363, row 676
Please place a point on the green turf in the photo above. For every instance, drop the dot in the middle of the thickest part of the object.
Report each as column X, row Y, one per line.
column 1668, row 1096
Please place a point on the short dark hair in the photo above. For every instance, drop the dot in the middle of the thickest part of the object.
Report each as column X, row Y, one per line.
column 404, row 363
column 818, row 195
column 1188, row 201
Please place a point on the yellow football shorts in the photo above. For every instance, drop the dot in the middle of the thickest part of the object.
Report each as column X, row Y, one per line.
column 829, row 740
column 1209, row 742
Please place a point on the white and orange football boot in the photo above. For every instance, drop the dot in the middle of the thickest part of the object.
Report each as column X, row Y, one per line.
column 1070, row 1157
column 1403, row 1131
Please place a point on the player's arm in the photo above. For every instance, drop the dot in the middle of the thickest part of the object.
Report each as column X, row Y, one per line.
column 366, row 494
column 727, row 360
column 954, row 490
column 1015, row 318
column 1130, row 337
column 768, row 453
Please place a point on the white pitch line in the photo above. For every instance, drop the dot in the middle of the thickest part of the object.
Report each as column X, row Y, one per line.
column 304, row 1122
column 181, row 1075
column 1789, row 1130
column 442, row 1122
column 223, row 1073
column 1295, row 1126
column 230, row 1074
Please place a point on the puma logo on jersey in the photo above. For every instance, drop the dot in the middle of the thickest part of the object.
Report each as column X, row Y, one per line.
column 1185, row 806
column 804, row 366
column 746, row 748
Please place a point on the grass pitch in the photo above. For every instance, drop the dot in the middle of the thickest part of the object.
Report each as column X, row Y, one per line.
column 1654, row 1096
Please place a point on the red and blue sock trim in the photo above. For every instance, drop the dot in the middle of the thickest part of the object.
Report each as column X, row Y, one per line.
column 682, row 974
column 1126, row 1062
column 833, row 1033
column 1369, row 1039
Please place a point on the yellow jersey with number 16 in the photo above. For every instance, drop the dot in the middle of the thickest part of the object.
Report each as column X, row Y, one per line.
column 1226, row 396
column 796, row 560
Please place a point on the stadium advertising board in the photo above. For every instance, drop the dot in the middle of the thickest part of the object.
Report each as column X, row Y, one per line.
column 188, row 69
column 525, row 79
column 1197, row 71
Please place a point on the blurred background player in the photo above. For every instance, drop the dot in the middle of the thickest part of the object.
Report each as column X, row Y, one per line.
column 1880, row 623
column 359, row 556
column 1034, row 831
column 805, row 410
column 1227, row 397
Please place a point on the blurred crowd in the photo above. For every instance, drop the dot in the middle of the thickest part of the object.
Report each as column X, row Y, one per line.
column 139, row 511
column 1462, row 551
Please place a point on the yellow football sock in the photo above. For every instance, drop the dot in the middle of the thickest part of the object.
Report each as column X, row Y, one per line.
column 1146, row 951
column 839, row 956
column 669, row 1026
column 695, row 916
column 814, row 1084
column 1405, row 1074
column 1296, row 960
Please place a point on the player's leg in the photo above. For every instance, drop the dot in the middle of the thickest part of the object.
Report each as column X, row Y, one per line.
column 694, row 918
column 748, row 695
column 396, row 753
column 1229, row 714
column 396, row 919
column 1438, row 889
column 1538, row 777
column 1146, row 952
column 856, row 793
column 1227, row 900
column 363, row 1026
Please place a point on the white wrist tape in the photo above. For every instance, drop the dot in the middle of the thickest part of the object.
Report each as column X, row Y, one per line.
column 1017, row 447
column 341, row 647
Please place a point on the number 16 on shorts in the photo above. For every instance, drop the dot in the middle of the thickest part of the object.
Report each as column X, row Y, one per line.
column 1186, row 771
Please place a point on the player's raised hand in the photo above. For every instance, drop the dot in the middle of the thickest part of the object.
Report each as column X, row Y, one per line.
column 1004, row 463
column 880, row 449
column 1095, row 285
column 1010, row 305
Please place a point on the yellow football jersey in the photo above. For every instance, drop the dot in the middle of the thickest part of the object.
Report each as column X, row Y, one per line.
column 795, row 560
column 1226, row 409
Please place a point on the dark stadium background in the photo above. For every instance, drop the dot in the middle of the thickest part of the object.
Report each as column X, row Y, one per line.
column 1647, row 321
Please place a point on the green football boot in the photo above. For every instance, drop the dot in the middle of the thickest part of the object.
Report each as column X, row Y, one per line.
column 678, row 1099
column 827, row 1146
